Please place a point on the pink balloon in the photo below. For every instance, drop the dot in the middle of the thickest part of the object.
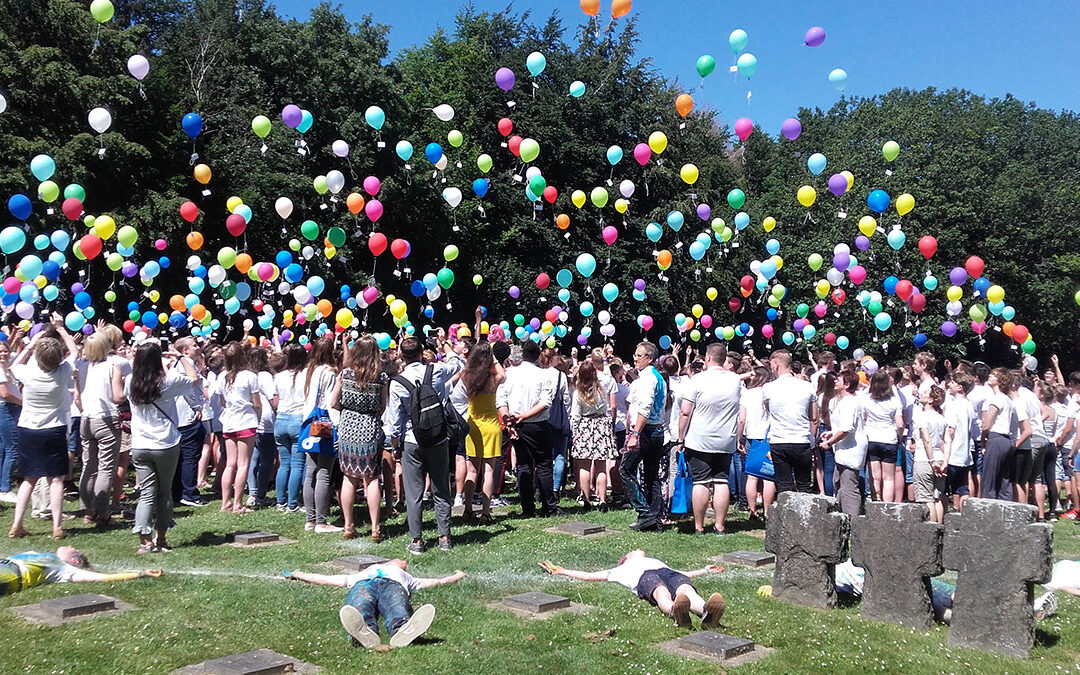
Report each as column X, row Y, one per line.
column 374, row 210
column 706, row 321
column 265, row 271
column 978, row 327
column 372, row 185
column 371, row 294
column 160, row 244
column 819, row 310
column 642, row 153
column 743, row 128
column 767, row 330
column 857, row 274
column 646, row 322
column 610, row 234
column 12, row 285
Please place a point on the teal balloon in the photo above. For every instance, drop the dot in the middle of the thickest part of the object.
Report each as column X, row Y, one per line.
column 577, row 88
column 375, row 117
column 564, row 295
column 43, row 167
column 60, row 240
column 306, row 120
column 809, row 332
column 41, row 242
column 50, row 292
column 747, row 65
column 614, row 155
column 697, row 250
column 772, row 246
column 1009, row 313
column 610, row 292
column 675, row 220
column 930, row 283
column 12, row 239
column 564, row 278
column 586, row 265
column 404, row 150
column 737, row 40
column 586, row 308
column 788, row 337
column 30, row 266
column 536, row 62
column 842, row 342
column 58, row 258
column 244, row 211
column 896, row 239
column 232, row 305
column 816, row 163
column 768, row 268
column 742, row 219
column 883, row 321
column 74, row 321
column 996, row 308
column 653, row 231
column 638, row 295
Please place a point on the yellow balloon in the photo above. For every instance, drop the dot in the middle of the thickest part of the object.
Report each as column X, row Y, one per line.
column 390, row 299
column 689, row 174
column 867, row 225
column 779, row 262
column 769, row 224
column 621, row 205
column 904, row 203
column 995, row 294
column 547, row 327
column 578, row 197
column 232, row 203
column 850, row 178
column 163, row 318
column 104, row 226
column 954, row 293
column 40, row 281
column 807, row 196
column 202, row 173
column 344, row 317
column 711, row 293
column 330, row 252
column 658, row 142
column 823, row 287
column 398, row 308
column 697, row 310
column 155, row 295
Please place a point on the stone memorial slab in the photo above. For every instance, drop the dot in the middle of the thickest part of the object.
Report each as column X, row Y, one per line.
column 998, row 552
column 250, row 538
column 256, row 662
column 900, row 551
column 83, row 604
column 716, row 645
column 580, row 529
column 536, row 603
column 808, row 537
column 359, row 563
column 747, row 558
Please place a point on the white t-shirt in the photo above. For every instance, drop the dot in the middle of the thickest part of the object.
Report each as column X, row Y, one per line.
column 95, row 385
column 318, row 392
column 238, row 412
column 757, row 422
column 46, row 396
column 1029, row 407
column 386, row 571
column 788, row 400
column 879, row 417
column 212, row 405
column 978, row 396
column 845, row 414
column 678, row 385
column 1066, row 411
column 934, row 424
column 192, row 400
column 290, row 390
column 13, row 387
column 267, row 391
column 154, row 429
column 960, row 417
column 1006, row 415
column 629, row 573
column 715, row 393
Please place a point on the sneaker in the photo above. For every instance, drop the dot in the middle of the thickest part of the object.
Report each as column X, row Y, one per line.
column 308, row 527
column 1070, row 514
column 680, row 611
column 353, row 623
column 1045, row 606
column 326, row 528
column 428, row 498
column 714, row 609
column 281, row 508
column 251, row 502
column 294, row 509
column 416, row 547
column 194, row 502
column 264, row 501
column 499, row 501
column 7, row 497
column 414, row 627
column 445, row 544
column 459, row 500
column 580, row 499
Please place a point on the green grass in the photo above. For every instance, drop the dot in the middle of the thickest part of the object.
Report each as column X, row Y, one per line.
column 185, row 618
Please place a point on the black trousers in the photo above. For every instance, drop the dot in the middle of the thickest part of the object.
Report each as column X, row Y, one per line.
column 794, row 466
column 535, row 467
column 186, row 478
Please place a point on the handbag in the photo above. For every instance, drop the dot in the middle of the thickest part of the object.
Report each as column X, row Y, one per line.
column 317, row 433
column 684, row 486
column 558, row 419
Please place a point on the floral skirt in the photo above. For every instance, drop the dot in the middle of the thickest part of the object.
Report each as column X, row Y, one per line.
column 593, row 438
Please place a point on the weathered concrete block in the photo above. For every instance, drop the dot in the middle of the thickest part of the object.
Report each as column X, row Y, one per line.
column 808, row 537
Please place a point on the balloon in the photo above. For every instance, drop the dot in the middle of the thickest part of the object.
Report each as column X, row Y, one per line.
column 529, row 150
column 102, row 11
column 599, row 197
column 12, row 239
column 890, row 150
column 535, row 62
column 202, row 173
column 814, row 36
column 590, row 7
column 837, row 183
column 42, row 167
column 838, row 78
column 614, row 155
column 743, row 128
column 688, row 173
column 850, row 179
column 675, row 220
column 306, row 120
column 260, row 124
column 452, row 195
column 747, row 65
column 857, row 274
column 696, row 250
column 610, row 234
column 705, row 65
column 995, row 294
column 90, row 246
column 586, row 265
column 904, row 204
column 878, row 201
column 610, row 292
column 433, row 152
column 192, row 124
column 374, row 210
column 400, row 248
column 816, row 163
column 882, row 321
column 444, row 112
column 504, row 78
column 620, row 8
column 375, row 117
column 896, row 238
column 927, row 245
column 974, row 266
column 652, row 231
column 100, row 120
column 577, row 88
column 815, row 261
column 657, row 142
column 446, row 277
column 806, row 196
column 791, row 128
column 737, row 40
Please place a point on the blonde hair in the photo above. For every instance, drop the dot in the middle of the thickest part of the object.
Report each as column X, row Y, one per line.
column 49, row 354
column 114, row 335
column 96, row 348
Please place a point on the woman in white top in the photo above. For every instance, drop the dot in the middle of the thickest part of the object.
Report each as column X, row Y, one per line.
column 594, row 439
column 1046, row 472
column 883, row 423
column 100, row 374
column 752, row 431
column 239, row 390
column 262, row 460
column 155, row 439
column 846, row 439
column 320, row 378
column 213, row 451
column 290, row 411
column 44, row 420
column 999, row 419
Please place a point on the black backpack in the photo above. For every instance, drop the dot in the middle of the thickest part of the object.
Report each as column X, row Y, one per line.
column 558, row 419
column 433, row 421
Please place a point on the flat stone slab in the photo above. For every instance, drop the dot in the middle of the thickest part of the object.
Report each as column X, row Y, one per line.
column 68, row 608
column 359, row 563
column 536, row 603
column 579, row 528
column 250, row 538
column 257, row 662
column 715, row 648
column 747, row 558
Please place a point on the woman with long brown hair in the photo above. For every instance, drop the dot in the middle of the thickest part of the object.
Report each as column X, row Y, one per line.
column 753, row 430
column 319, row 382
column 481, row 376
column 239, row 390
column 999, row 444
column 594, row 437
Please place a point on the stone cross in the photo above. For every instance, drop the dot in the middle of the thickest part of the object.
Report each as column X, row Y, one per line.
column 808, row 537
column 900, row 551
column 998, row 552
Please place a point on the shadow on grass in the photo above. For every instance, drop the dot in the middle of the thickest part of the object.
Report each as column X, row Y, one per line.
column 1044, row 639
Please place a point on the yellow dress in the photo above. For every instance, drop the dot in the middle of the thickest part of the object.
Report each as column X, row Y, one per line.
column 485, row 433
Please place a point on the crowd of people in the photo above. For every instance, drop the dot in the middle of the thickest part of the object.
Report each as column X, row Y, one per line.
column 455, row 421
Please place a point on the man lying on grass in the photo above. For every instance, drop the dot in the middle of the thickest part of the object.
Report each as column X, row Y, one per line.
column 67, row 565
column 380, row 589
column 670, row 590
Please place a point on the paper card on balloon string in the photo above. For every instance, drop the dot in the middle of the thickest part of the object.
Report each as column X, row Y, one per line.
column 49, row 212
column 334, row 199
column 101, row 153
column 397, row 273
column 566, row 236
column 538, row 207
column 888, row 172
column 443, row 180
column 517, row 178
column 459, row 165
column 609, row 182
column 997, row 328
column 683, row 125
column 503, row 144
column 206, row 193
column 733, row 69
column 322, row 206
column 907, row 325
column 735, row 245
column 219, row 301
column 194, row 158
column 434, row 174
column 511, row 104
column 841, row 214
column 708, row 270
column 456, row 228
column 678, row 245
column 407, row 271
column 448, row 306
column 836, row 314
column 264, row 148
column 380, row 145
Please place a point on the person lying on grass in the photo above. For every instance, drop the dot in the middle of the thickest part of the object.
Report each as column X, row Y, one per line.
column 380, row 590
column 67, row 565
column 670, row 590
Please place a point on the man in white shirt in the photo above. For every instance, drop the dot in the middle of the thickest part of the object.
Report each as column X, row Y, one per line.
column 923, row 366
column 791, row 405
column 961, row 428
column 708, row 423
column 645, row 440
column 524, row 399
column 192, row 433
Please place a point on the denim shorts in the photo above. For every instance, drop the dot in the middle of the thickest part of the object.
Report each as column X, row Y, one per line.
column 881, row 452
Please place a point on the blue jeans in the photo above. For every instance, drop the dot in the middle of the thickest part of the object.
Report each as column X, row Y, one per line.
column 187, row 477
column 373, row 597
column 646, row 493
column 290, row 474
column 828, row 466
column 9, row 444
column 558, row 455
column 262, row 464
column 737, row 479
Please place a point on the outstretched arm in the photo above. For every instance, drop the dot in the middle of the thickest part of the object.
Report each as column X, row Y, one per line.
column 87, row 575
column 452, row 579
column 708, row 569
column 580, row 575
column 318, row 579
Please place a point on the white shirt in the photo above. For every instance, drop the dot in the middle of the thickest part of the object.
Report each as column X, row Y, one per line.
column 879, row 421
column 95, row 385
column 289, row 385
column 459, row 398
column 46, row 396
column 647, row 396
column 1006, row 416
column 267, row 391
column 757, row 422
column 677, row 384
column 191, row 401
column 788, row 400
column 592, row 408
column 153, row 429
column 715, row 393
column 386, row 571
column 629, row 573
column 933, row 423
column 525, row 387
column 13, row 387
column 978, row 396
column 961, row 418
column 845, row 414
column 1027, row 402
column 212, row 405
column 238, row 413
column 398, row 423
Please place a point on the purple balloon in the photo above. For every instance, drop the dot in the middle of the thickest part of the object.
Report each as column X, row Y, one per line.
column 862, row 243
column 129, row 269
column 87, row 329
column 791, row 128
column 704, row 211
column 557, row 309
column 535, row 323
column 948, row 329
column 504, row 77
column 798, row 325
column 814, row 37
column 958, row 276
column 841, row 260
column 515, row 292
column 77, row 288
column 639, row 284
column 291, row 115
column 837, row 184
column 582, row 340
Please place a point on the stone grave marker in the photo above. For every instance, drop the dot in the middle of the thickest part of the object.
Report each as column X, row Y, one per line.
column 536, row 603
column 69, row 606
column 580, row 529
column 747, row 558
column 998, row 552
column 256, row 662
column 808, row 536
column 359, row 563
column 250, row 538
column 900, row 551
column 716, row 645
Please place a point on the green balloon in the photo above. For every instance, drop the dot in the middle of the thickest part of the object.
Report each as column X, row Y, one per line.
column 529, row 150
column 110, row 296
column 728, row 332
column 727, row 234
column 75, row 191
column 227, row 289
column 48, row 191
column 815, row 261
column 294, row 244
column 977, row 313
column 718, row 225
column 736, row 198
column 537, row 184
column 519, row 320
column 336, row 235
column 599, row 197
column 310, row 230
column 114, row 261
column 127, row 236
column 1028, row 346
column 802, row 310
column 450, row 253
column 261, row 126
column 102, row 10
column 134, row 315
column 226, row 257
column 320, row 184
column 446, row 277
column 705, row 65
column 455, row 138
column 875, row 308
column 891, row 150
column 483, row 162
column 477, row 279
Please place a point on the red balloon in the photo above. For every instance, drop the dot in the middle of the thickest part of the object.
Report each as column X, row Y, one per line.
column 838, row 296
column 747, row 282
column 551, row 315
column 550, row 194
column 830, row 338
column 542, row 282
column 90, row 245
column 400, row 248
column 734, row 304
column 505, row 126
column 904, row 289
column 1020, row 334
column 129, row 326
column 72, row 208
column 918, row 302
column 189, row 212
column 235, row 224
column 515, row 145
column 975, row 266
column 928, row 246
column 376, row 243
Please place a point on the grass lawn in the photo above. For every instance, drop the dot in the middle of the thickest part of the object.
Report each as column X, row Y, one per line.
column 217, row 600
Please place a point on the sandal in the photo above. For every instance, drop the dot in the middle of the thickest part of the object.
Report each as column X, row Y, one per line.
column 349, row 533
column 162, row 547
column 60, row 533
column 144, row 549
column 18, row 533
column 376, row 536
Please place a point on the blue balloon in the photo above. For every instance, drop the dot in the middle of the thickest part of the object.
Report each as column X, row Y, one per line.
column 41, row 242
column 878, row 201
column 196, row 285
column 653, row 231
column 981, row 285
column 417, row 288
column 232, row 306
column 742, row 219
column 346, row 291
column 429, row 311
column 564, row 278
column 771, row 313
column 772, row 246
column 51, row 270
column 431, row 280
column 768, row 268
column 675, row 220
column 563, row 295
column 28, row 293
column 586, row 308
column 890, row 285
column 404, row 150
column 842, row 342
column 316, row 285
column 919, row 339
column 164, row 262
column 293, row 273
column 816, row 163
column 176, row 320
column 665, row 342
column 126, row 251
column 51, row 293
column 60, row 239
column 697, row 250
column 1008, row 313
column 433, row 152
column 200, row 271
column 479, row 186
column 19, row 205
column 132, row 306
column 283, row 259
column 192, row 124
column 243, row 291
column 149, row 318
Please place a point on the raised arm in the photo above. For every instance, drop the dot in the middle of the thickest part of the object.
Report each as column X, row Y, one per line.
column 87, row 575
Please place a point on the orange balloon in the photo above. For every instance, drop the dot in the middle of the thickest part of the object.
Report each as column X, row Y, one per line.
column 663, row 259
column 355, row 202
column 684, row 104
column 297, row 309
column 243, row 263
column 177, row 303
column 620, row 8
column 562, row 221
column 202, row 173
column 745, row 291
column 324, row 307
column 198, row 312
column 194, row 240
column 251, row 340
column 689, row 323
column 590, row 7
column 287, row 321
column 1007, row 328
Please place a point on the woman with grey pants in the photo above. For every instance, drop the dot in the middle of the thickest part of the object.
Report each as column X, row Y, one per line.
column 321, row 386
column 152, row 389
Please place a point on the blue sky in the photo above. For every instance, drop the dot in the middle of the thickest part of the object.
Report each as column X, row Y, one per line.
column 990, row 47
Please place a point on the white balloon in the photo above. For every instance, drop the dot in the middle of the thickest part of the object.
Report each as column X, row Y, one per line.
column 302, row 294
column 835, row 276
column 607, row 330
column 603, row 316
column 532, row 171
column 335, row 180
column 215, row 275
column 138, row 66
column 954, row 308
column 563, row 316
column 858, row 354
column 842, row 248
column 248, row 324
column 870, row 366
column 360, row 301
column 452, row 195
column 3, row 104
column 441, row 164
column 283, row 288
column 284, row 207
column 444, row 112
column 434, row 293
column 340, row 148
column 193, row 262
column 100, row 120
column 755, row 266
column 308, row 252
column 626, row 188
